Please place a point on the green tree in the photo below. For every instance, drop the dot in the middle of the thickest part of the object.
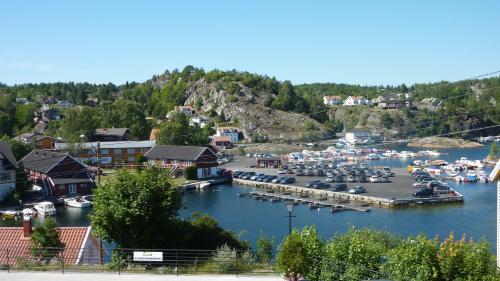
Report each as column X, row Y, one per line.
column 177, row 131
column 293, row 259
column 264, row 249
column 414, row 259
column 45, row 241
column 315, row 251
column 204, row 232
column 356, row 255
column 137, row 209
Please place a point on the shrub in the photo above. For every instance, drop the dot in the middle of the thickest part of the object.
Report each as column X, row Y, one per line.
column 190, row 173
column 293, row 260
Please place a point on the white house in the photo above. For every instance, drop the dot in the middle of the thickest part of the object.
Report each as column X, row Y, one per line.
column 198, row 120
column 332, row 100
column 355, row 100
column 186, row 109
column 495, row 176
column 231, row 132
column 358, row 136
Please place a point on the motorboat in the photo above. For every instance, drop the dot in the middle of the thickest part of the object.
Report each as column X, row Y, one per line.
column 8, row 214
column 203, row 185
column 45, row 208
column 77, row 202
column 28, row 212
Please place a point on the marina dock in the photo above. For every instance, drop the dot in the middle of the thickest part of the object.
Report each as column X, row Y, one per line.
column 353, row 199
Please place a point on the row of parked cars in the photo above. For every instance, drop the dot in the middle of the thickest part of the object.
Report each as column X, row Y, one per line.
column 335, row 187
column 427, row 185
column 263, row 177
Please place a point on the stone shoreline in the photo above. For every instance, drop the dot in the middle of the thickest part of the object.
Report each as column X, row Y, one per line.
column 441, row 142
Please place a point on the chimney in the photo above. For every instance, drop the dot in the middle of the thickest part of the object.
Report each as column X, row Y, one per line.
column 27, row 226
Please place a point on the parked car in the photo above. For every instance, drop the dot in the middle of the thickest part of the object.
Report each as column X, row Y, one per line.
column 388, row 171
column 268, row 178
column 423, row 192
column 299, row 172
column 363, row 178
column 351, row 179
column 339, row 179
column 277, row 179
column 330, row 179
column 280, row 171
column 311, row 183
column 254, row 177
column 320, row 172
column 357, row 189
column 375, row 179
column 287, row 180
column 310, row 172
column 339, row 187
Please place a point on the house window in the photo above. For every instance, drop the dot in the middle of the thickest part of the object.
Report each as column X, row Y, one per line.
column 131, row 159
column 104, row 151
column 72, row 188
column 117, row 151
column 131, row 151
column 205, row 172
column 83, row 185
column 4, row 176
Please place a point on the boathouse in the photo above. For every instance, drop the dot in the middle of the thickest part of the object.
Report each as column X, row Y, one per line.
column 57, row 173
column 269, row 162
column 177, row 158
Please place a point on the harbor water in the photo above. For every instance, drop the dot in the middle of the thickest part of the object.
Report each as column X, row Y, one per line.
column 248, row 217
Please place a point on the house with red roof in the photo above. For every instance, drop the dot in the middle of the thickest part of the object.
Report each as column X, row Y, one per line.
column 80, row 246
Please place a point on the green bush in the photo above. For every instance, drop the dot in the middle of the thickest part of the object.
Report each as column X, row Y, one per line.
column 190, row 173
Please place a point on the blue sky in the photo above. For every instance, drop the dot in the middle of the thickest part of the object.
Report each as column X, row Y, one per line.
column 362, row 42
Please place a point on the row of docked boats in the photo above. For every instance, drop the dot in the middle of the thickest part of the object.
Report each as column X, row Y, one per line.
column 462, row 170
column 47, row 208
column 302, row 199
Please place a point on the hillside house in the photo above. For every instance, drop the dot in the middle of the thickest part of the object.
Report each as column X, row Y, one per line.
column 91, row 101
column 41, row 141
column 58, row 174
column 430, row 103
column 332, row 100
column 231, row 132
column 63, row 104
column 8, row 165
column 50, row 114
column 186, row 109
column 358, row 136
column 111, row 134
column 177, row 158
column 80, row 246
column 355, row 100
column 222, row 141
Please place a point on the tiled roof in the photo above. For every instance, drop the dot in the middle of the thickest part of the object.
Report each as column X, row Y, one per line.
column 333, row 97
column 11, row 239
column 107, row 145
column 222, row 138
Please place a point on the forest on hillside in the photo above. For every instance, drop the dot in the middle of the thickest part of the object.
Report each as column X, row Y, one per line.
column 129, row 104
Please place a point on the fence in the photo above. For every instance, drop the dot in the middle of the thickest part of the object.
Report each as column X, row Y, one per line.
column 166, row 261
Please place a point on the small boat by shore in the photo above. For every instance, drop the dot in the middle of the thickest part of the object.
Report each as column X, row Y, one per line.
column 203, row 186
column 8, row 214
column 77, row 202
column 45, row 208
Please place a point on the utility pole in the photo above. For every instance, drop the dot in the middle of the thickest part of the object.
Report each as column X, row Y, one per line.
column 98, row 162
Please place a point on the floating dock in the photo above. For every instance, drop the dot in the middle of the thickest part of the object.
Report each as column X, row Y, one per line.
column 354, row 199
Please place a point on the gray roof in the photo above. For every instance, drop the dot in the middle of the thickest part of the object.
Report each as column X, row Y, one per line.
column 176, row 152
column 6, row 153
column 111, row 131
column 42, row 160
column 57, row 181
column 106, row 145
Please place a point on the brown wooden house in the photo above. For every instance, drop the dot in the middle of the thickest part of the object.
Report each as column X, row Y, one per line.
column 58, row 174
column 180, row 157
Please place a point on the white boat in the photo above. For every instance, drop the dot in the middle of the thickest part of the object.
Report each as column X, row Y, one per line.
column 28, row 212
column 77, row 202
column 45, row 208
column 203, row 185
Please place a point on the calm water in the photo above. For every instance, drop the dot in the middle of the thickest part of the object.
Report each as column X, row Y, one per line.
column 248, row 217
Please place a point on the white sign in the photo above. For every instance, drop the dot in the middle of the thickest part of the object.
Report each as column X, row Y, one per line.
column 148, row 256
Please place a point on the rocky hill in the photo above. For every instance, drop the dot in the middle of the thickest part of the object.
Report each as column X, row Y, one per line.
column 249, row 109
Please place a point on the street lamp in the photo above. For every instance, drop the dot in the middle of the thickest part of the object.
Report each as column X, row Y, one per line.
column 289, row 208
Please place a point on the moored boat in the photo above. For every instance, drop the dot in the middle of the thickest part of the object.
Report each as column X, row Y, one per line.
column 77, row 202
column 45, row 208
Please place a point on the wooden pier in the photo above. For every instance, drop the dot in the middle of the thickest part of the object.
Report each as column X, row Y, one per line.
column 353, row 199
